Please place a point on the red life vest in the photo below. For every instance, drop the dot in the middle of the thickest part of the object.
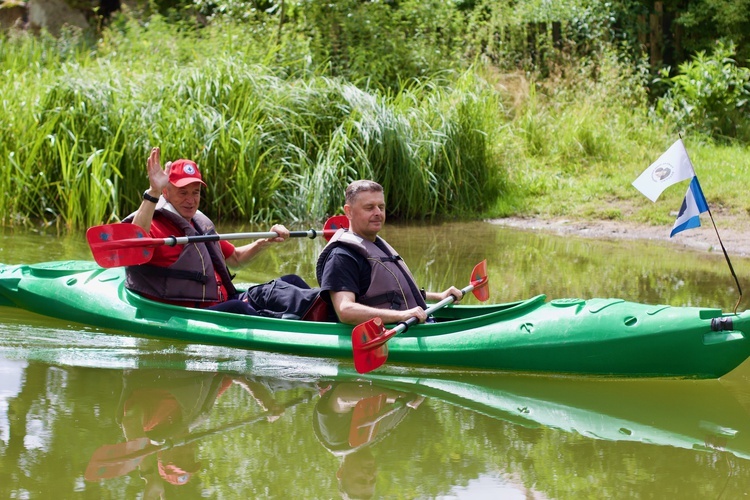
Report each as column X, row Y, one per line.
column 192, row 277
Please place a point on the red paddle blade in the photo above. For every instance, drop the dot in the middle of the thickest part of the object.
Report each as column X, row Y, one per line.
column 368, row 359
column 333, row 224
column 364, row 420
column 114, row 245
column 114, row 460
column 479, row 280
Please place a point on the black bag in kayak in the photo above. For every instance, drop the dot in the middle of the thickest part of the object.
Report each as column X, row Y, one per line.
column 279, row 299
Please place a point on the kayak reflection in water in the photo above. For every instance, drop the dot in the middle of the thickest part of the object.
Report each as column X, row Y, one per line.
column 348, row 419
column 157, row 411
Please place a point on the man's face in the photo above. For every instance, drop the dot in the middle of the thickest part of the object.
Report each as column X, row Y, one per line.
column 184, row 199
column 366, row 214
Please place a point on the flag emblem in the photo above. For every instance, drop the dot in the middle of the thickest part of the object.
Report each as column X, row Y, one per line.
column 662, row 173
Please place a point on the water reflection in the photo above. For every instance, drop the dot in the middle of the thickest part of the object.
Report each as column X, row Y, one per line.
column 158, row 412
column 284, row 428
column 349, row 418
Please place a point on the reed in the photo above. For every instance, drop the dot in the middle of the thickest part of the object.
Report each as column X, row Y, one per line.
column 278, row 138
column 274, row 142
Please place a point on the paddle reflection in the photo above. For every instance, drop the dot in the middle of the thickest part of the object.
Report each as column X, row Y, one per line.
column 159, row 412
column 349, row 418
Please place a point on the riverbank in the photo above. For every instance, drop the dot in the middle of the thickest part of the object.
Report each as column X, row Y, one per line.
column 736, row 240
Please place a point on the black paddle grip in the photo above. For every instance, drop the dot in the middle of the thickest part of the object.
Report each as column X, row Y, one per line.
column 312, row 234
column 409, row 322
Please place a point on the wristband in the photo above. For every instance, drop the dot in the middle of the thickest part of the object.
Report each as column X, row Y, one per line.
column 150, row 198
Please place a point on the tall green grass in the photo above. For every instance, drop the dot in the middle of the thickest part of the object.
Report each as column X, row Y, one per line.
column 278, row 138
column 271, row 145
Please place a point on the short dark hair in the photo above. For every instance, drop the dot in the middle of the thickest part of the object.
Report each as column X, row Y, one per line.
column 361, row 186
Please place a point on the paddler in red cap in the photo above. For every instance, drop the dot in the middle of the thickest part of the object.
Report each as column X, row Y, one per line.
column 194, row 274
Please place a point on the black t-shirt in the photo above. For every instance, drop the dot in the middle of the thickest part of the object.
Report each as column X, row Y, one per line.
column 345, row 270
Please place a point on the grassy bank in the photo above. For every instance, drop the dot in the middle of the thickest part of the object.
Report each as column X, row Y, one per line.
column 278, row 137
column 580, row 148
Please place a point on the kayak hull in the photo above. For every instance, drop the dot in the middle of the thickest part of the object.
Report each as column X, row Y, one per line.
column 609, row 337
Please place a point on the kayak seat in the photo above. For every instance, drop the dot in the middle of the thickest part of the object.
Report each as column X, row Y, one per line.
column 318, row 311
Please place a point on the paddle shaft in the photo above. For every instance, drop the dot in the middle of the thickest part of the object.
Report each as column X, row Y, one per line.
column 404, row 325
column 182, row 240
column 369, row 339
column 200, row 435
column 114, row 245
column 151, row 448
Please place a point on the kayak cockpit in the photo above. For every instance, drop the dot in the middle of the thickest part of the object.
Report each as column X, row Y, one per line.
column 148, row 308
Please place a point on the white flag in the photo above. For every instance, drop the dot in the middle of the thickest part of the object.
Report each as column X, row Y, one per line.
column 671, row 167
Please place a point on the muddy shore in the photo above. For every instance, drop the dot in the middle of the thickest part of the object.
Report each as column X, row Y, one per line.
column 704, row 238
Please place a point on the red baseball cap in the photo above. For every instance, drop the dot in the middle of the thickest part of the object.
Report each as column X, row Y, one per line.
column 184, row 172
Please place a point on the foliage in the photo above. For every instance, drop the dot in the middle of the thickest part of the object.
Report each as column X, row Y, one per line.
column 710, row 95
column 373, row 44
column 706, row 21
column 582, row 135
column 276, row 142
column 459, row 108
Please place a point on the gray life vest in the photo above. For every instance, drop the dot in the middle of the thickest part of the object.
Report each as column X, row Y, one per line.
column 392, row 285
column 191, row 278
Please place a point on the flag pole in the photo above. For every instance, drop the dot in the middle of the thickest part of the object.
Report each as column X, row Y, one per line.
column 726, row 256
column 731, row 269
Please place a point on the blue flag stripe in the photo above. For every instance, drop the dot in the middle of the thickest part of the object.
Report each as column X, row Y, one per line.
column 693, row 205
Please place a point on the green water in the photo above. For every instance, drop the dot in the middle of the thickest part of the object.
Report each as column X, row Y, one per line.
column 71, row 397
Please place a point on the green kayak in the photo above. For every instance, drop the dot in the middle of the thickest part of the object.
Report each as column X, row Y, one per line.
column 596, row 336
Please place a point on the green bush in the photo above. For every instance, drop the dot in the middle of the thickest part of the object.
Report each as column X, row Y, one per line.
column 710, row 95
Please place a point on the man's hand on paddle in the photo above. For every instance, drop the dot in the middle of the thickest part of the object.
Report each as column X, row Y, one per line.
column 352, row 312
column 438, row 296
column 417, row 312
column 283, row 234
column 247, row 252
